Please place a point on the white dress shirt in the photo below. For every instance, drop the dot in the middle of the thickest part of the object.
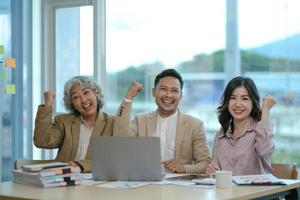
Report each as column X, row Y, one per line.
column 166, row 130
column 84, row 140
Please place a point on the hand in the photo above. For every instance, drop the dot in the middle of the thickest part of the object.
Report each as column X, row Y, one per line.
column 211, row 168
column 49, row 98
column 134, row 89
column 174, row 166
column 268, row 102
column 75, row 165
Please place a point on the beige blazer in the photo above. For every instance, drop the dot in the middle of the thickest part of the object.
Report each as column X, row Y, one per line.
column 191, row 147
column 64, row 133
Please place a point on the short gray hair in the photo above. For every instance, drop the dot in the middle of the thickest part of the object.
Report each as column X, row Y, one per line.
column 85, row 82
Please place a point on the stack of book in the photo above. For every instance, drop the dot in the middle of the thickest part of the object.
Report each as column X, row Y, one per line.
column 48, row 175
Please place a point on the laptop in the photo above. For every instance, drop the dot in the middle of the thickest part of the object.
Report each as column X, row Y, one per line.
column 126, row 158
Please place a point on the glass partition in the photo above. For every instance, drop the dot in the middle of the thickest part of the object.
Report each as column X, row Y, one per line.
column 270, row 54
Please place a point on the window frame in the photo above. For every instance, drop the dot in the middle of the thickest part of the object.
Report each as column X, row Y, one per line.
column 48, row 68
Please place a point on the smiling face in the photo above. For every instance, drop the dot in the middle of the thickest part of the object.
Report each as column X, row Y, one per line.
column 167, row 94
column 84, row 101
column 240, row 104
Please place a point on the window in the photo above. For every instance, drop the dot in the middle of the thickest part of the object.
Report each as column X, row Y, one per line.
column 5, row 99
column 15, row 111
column 70, row 40
column 145, row 37
column 137, row 39
column 270, row 54
column 74, row 52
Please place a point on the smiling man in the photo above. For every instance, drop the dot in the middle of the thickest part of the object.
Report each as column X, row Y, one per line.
column 184, row 147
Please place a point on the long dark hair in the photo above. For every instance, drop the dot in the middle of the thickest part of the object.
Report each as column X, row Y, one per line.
column 224, row 116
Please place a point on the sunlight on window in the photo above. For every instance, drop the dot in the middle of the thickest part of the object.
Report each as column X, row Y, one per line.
column 74, row 46
column 168, row 31
column 86, row 41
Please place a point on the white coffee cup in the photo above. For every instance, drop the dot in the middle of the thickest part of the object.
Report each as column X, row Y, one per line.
column 223, row 179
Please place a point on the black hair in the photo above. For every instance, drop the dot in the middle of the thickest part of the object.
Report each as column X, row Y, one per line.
column 224, row 116
column 168, row 72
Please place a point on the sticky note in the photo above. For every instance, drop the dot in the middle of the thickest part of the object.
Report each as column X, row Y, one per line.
column 10, row 62
column 10, row 89
column 2, row 49
column 3, row 75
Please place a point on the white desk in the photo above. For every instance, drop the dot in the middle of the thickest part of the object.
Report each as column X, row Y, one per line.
column 10, row 190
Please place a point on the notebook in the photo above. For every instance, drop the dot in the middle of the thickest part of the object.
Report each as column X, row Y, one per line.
column 126, row 158
column 261, row 179
column 42, row 166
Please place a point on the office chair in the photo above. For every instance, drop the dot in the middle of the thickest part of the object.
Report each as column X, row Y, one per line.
column 285, row 171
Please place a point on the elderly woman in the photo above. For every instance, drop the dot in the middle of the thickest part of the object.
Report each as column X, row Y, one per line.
column 70, row 133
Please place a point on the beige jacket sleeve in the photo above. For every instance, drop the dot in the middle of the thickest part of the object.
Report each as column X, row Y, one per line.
column 123, row 125
column 86, row 165
column 47, row 134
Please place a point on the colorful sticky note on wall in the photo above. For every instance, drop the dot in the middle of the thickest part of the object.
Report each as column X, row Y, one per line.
column 10, row 62
column 10, row 89
column 2, row 49
column 3, row 75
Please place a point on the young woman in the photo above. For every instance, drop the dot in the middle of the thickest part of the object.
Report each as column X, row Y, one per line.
column 244, row 144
